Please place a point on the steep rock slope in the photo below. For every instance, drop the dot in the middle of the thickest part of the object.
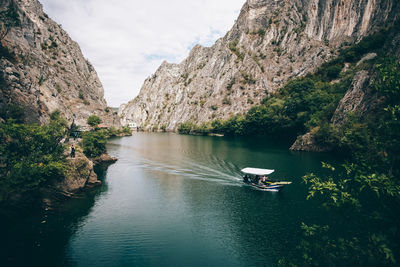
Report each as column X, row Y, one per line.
column 44, row 70
column 271, row 42
column 361, row 98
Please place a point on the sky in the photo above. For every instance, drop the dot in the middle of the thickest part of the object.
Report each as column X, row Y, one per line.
column 127, row 40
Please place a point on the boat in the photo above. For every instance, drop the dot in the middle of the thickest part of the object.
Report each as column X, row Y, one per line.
column 257, row 178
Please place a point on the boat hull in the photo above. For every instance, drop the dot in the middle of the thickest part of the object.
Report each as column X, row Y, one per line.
column 271, row 188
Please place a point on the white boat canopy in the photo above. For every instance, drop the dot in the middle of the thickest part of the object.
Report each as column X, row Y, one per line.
column 256, row 171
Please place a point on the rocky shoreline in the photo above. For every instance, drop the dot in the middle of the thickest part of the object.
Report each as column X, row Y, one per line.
column 80, row 177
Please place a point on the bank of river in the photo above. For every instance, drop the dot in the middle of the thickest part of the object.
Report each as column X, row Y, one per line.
column 173, row 200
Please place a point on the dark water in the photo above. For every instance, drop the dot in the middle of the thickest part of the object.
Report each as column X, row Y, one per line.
column 172, row 200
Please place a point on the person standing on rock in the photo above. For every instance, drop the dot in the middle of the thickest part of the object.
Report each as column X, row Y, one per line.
column 72, row 151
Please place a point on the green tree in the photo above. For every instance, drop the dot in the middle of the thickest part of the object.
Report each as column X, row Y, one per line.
column 93, row 120
column 12, row 113
column 94, row 143
column 31, row 155
column 186, row 127
column 365, row 191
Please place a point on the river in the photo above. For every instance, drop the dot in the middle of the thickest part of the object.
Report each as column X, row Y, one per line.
column 173, row 200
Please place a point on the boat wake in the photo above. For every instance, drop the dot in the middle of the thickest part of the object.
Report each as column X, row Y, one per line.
column 214, row 170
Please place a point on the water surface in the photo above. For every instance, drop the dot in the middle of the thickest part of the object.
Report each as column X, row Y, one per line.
column 174, row 200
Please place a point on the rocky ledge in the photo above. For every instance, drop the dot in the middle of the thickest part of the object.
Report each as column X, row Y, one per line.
column 104, row 159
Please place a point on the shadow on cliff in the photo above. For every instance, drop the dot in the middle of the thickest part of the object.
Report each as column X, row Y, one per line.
column 35, row 236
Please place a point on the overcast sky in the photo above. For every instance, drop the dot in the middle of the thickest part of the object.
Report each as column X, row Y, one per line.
column 126, row 40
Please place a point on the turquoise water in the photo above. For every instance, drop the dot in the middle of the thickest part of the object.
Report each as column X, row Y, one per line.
column 173, row 200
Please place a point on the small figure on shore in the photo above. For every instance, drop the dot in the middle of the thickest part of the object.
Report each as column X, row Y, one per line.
column 72, row 151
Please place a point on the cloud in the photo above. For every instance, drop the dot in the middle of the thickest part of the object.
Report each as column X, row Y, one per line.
column 126, row 40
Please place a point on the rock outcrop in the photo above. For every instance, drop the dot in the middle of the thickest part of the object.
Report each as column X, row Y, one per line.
column 43, row 70
column 359, row 99
column 79, row 175
column 271, row 42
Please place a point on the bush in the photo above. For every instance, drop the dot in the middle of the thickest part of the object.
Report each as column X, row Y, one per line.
column 126, row 130
column 12, row 113
column 94, row 143
column 93, row 120
column 31, row 155
column 112, row 131
column 217, row 126
column 5, row 53
column 261, row 32
column 186, row 127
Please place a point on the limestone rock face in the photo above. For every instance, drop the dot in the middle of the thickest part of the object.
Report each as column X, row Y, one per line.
column 80, row 174
column 48, row 71
column 354, row 98
column 307, row 143
column 271, row 42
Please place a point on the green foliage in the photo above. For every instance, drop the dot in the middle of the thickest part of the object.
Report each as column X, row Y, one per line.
column 226, row 101
column 217, row 126
column 112, row 131
column 164, row 127
column 189, row 127
column 387, row 82
column 93, row 120
column 230, row 84
column 214, row 107
column 186, row 127
column 235, row 50
column 41, row 80
column 126, row 130
column 81, row 95
column 261, row 32
column 31, row 155
column 203, row 129
column 234, row 125
column 371, row 43
column 5, row 53
column 364, row 191
column 94, row 143
column 12, row 113
column 248, row 79
column 299, row 106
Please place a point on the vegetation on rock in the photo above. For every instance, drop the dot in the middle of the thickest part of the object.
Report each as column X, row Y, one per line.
column 8, row 18
column 94, row 143
column 31, row 155
column 365, row 191
column 93, row 120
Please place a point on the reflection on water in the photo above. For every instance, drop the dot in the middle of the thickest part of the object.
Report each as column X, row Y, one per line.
column 32, row 236
column 174, row 200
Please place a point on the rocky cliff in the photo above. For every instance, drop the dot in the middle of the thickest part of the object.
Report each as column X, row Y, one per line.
column 43, row 70
column 271, row 42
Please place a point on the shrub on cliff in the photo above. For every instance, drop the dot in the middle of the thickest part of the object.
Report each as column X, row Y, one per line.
column 31, row 155
column 186, row 127
column 93, row 120
column 365, row 191
column 9, row 18
column 94, row 143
